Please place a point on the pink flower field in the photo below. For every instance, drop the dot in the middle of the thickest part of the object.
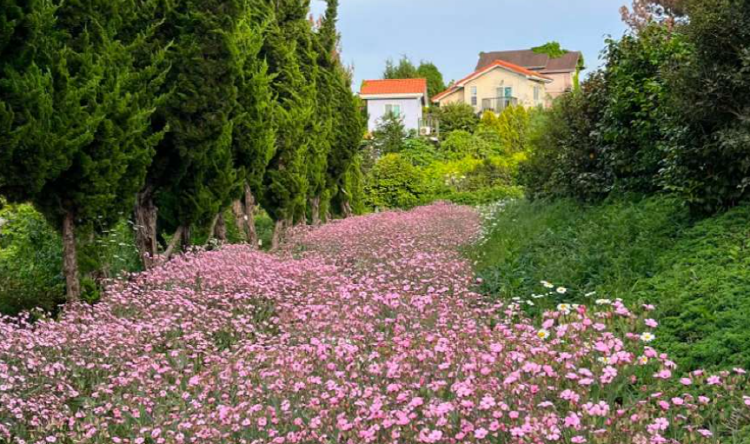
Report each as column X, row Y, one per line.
column 366, row 330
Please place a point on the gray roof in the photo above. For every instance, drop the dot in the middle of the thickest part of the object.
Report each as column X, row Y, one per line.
column 529, row 59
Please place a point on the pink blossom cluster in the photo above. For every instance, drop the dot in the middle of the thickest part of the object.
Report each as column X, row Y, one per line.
column 366, row 330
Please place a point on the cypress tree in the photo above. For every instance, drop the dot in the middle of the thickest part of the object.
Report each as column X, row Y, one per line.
column 75, row 112
column 285, row 184
column 193, row 176
column 254, row 130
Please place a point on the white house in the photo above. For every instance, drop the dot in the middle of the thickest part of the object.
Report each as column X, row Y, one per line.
column 402, row 97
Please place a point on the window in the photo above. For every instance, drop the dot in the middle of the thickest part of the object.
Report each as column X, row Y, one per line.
column 393, row 109
column 508, row 91
column 536, row 93
column 474, row 94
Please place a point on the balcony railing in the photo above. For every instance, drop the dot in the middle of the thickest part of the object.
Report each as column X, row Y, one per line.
column 498, row 104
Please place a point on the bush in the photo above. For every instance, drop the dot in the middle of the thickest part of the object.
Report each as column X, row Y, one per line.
column 394, row 183
column 455, row 117
column 642, row 251
column 483, row 196
column 419, row 152
column 30, row 262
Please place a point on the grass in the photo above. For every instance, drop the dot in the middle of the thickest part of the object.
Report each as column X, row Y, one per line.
column 640, row 250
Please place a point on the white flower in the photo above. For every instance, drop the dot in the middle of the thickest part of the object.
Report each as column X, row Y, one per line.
column 562, row 290
column 542, row 334
column 643, row 360
column 589, row 294
column 603, row 302
column 647, row 337
column 530, row 303
column 564, row 308
column 537, row 296
column 547, row 284
column 604, row 359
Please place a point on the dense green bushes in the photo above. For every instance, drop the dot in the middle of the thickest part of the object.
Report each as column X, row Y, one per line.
column 641, row 250
column 668, row 112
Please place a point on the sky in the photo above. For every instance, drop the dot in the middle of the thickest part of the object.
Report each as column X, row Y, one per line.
column 452, row 33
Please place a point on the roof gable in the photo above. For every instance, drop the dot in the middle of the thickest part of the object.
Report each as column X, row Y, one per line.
column 532, row 75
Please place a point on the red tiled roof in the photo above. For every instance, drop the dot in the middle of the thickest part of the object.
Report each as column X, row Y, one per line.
column 507, row 65
column 394, row 86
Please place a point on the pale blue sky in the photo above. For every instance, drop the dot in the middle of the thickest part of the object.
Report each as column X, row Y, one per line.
column 451, row 33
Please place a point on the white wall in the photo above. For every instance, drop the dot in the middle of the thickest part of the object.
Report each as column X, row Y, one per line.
column 411, row 111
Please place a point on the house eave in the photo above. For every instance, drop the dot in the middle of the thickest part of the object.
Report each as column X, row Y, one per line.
column 391, row 96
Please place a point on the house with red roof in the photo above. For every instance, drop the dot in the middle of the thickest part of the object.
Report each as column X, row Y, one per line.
column 562, row 69
column 497, row 85
column 404, row 98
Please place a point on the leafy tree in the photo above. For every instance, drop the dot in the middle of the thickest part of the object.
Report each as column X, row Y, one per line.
column 633, row 130
column 511, row 127
column 646, row 12
column 405, row 69
column 456, row 116
column 707, row 161
column 76, row 111
column 435, row 83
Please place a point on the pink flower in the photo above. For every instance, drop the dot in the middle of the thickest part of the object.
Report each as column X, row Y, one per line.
column 705, row 433
column 578, row 439
column 651, row 323
column 480, row 433
column 713, row 380
column 686, row 381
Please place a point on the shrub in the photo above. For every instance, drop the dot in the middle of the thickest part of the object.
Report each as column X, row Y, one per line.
column 394, row 183
column 30, row 261
column 456, row 116
column 565, row 157
column 389, row 136
column 419, row 152
column 483, row 196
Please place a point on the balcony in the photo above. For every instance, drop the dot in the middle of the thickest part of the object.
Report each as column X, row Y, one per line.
column 498, row 104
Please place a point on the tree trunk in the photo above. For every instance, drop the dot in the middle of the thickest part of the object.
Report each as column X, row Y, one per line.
column 346, row 207
column 70, row 260
column 239, row 219
column 315, row 210
column 176, row 239
column 186, row 243
column 145, row 214
column 252, row 235
column 220, row 231
column 278, row 231
column 212, row 228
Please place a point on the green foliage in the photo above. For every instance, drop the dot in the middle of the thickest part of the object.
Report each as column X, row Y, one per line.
column 702, row 292
column 405, row 69
column 75, row 108
column 419, row 152
column 511, row 127
column 632, row 126
column 552, row 49
column 394, row 183
column 565, row 158
column 707, row 161
column 643, row 251
column 483, row 196
column 456, row 116
column 30, row 261
column 435, row 82
column 390, row 134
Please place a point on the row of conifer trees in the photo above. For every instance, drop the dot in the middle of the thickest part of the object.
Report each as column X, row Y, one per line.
column 172, row 112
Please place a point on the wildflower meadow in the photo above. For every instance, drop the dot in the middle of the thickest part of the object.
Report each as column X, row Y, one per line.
column 365, row 330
